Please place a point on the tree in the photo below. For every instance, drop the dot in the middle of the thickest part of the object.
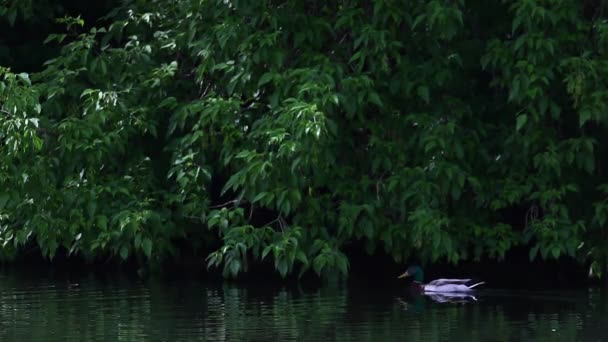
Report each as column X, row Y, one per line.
column 284, row 130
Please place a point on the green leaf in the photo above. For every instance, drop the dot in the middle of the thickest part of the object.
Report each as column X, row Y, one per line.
column 516, row 23
column 583, row 117
column 102, row 222
column 521, row 121
column 302, row 257
column 368, row 228
column 335, row 99
column 282, row 267
column 319, row 263
column 456, row 191
column 514, row 93
column 419, row 19
column 342, row 264
column 375, row 99
column 555, row 111
column 25, row 78
column 147, row 246
column 212, row 260
column 423, row 93
column 12, row 16
column 588, row 163
column 259, row 197
column 124, row 252
column 233, row 183
column 533, row 252
column 266, row 251
column 137, row 242
column 91, row 208
column 3, row 200
column 543, row 105
column 519, row 42
column 235, row 267
column 303, row 270
column 267, row 77
column 556, row 251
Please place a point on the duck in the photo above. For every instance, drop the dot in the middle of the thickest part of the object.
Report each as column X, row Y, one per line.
column 439, row 285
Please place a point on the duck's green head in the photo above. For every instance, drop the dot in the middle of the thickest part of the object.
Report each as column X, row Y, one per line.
column 415, row 272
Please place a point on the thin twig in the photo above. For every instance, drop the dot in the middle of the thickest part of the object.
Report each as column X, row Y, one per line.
column 6, row 112
column 343, row 38
column 224, row 204
column 271, row 222
column 279, row 219
column 192, row 217
column 204, row 93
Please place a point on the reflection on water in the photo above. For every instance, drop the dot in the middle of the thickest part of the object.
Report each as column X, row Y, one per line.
column 119, row 310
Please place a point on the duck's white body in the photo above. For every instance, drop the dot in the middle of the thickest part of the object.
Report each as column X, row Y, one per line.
column 439, row 286
column 451, row 297
column 450, row 285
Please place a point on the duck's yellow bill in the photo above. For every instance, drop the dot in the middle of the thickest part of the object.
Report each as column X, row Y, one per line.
column 403, row 275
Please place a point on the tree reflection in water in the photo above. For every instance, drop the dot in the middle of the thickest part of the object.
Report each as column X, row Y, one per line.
column 125, row 310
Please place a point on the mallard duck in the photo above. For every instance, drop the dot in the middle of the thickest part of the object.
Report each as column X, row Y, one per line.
column 439, row 285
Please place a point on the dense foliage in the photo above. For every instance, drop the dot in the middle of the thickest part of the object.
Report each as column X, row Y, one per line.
column 285, row 130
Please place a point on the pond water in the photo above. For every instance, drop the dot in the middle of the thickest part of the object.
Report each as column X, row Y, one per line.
column 34, row 308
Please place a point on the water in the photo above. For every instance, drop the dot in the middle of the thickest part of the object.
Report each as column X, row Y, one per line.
column 37, row 308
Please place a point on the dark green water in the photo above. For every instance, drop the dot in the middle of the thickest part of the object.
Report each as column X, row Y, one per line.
column 46, row 308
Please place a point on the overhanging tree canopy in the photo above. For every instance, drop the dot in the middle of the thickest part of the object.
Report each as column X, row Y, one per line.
column 283, row 130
